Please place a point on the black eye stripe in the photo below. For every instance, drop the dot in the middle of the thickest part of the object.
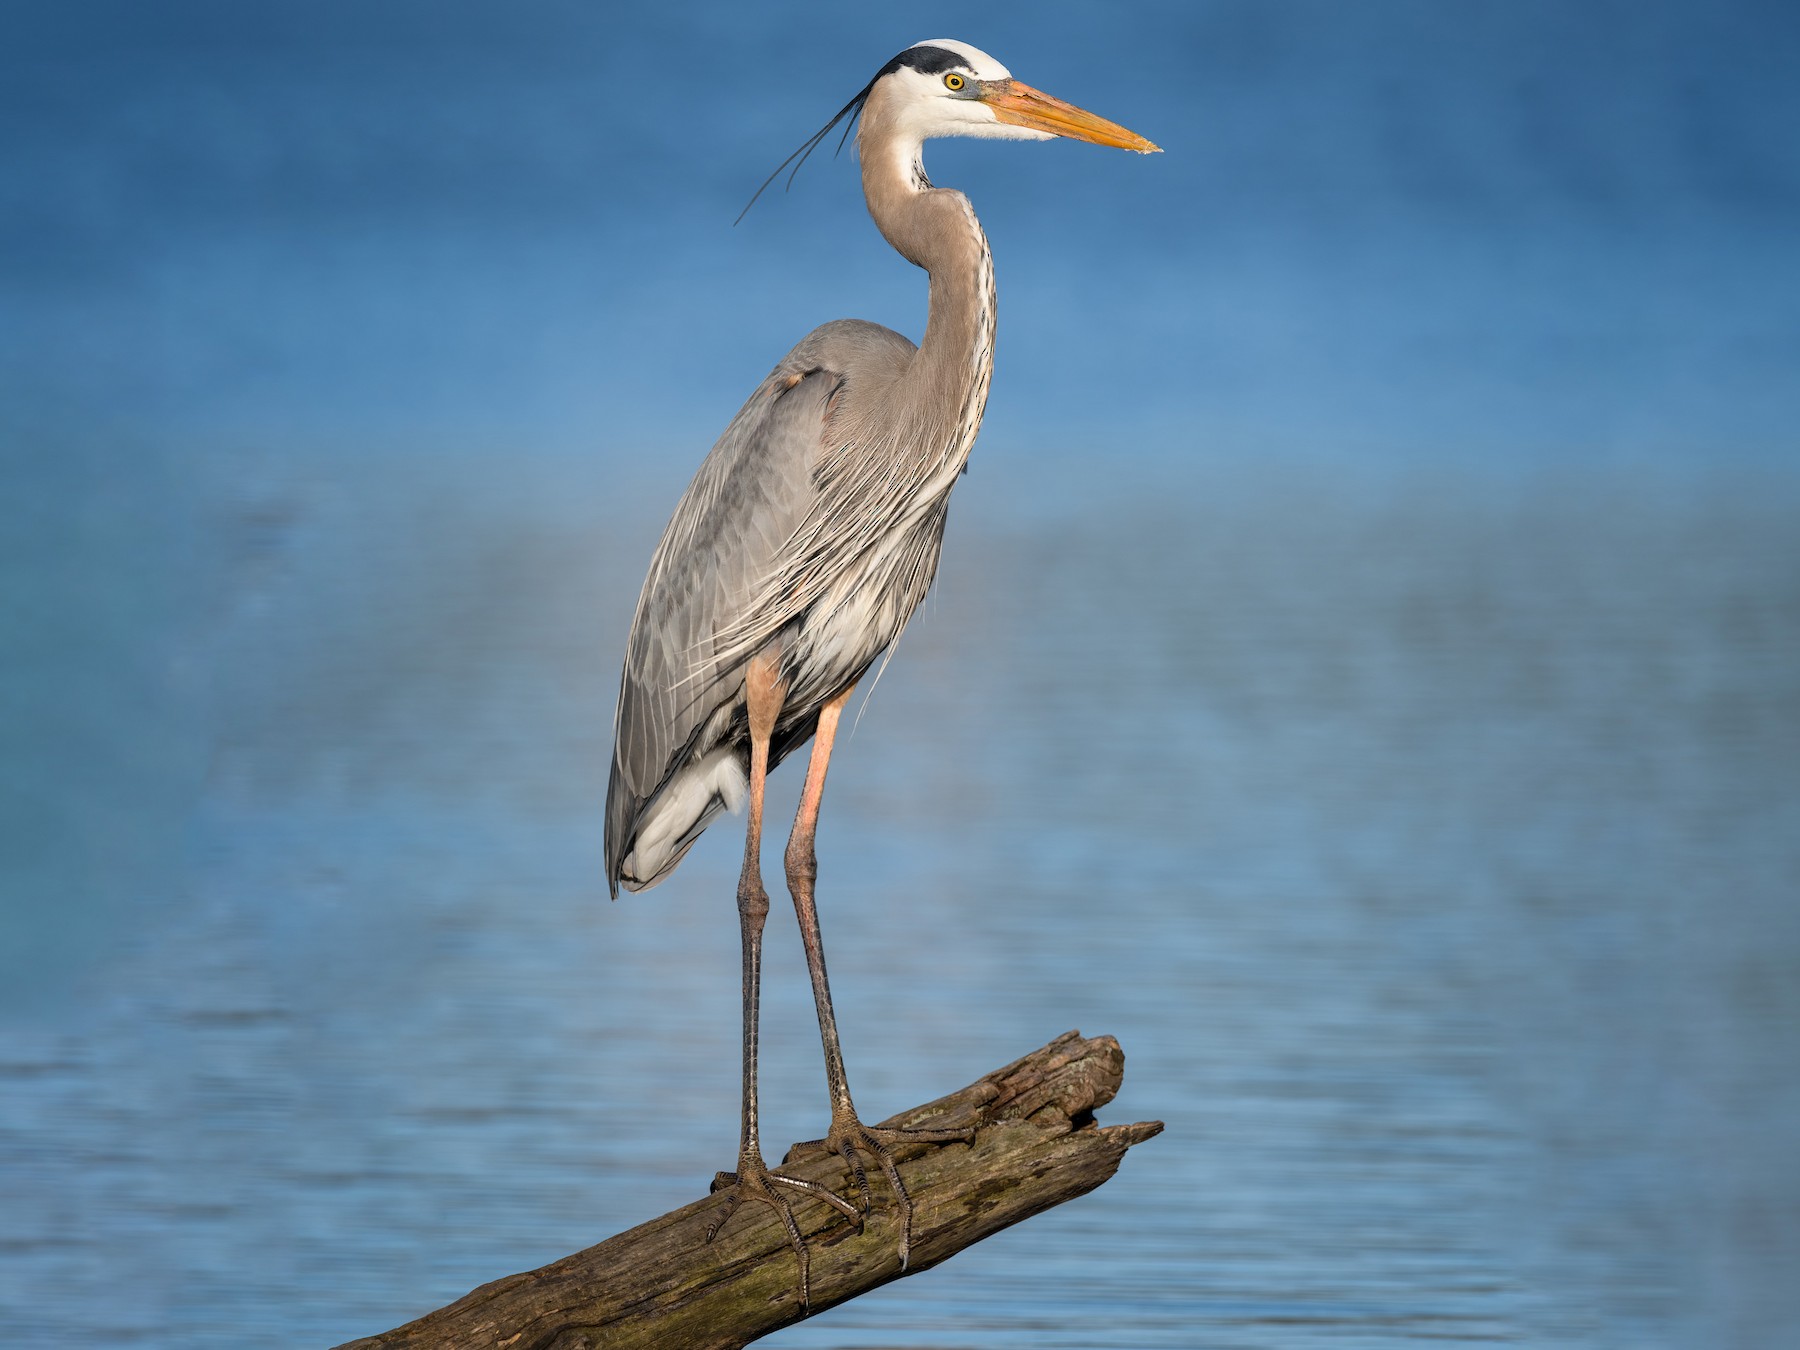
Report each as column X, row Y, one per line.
column 928, row 61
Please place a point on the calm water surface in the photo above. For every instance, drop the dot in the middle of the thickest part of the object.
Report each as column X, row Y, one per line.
column 1429, row 834
column 1430, row 843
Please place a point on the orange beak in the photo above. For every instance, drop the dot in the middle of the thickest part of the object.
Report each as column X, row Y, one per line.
column 1018, row 103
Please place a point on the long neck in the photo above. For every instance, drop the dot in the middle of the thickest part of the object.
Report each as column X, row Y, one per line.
column 937, row 229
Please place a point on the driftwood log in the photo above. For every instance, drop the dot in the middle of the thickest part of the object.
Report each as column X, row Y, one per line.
column 662, row 1284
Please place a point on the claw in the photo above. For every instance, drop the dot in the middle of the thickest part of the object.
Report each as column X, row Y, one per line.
column 759, row 1183
column 847, row 1151
column 850, row 1137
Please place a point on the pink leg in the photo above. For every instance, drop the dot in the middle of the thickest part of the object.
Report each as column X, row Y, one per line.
column 763, row 694
column 848, row 1135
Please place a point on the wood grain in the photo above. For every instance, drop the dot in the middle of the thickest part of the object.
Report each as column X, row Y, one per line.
column 1036, row 1145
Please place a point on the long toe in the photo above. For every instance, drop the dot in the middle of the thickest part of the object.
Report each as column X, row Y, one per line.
column 754, row 1181
column 850, row 1139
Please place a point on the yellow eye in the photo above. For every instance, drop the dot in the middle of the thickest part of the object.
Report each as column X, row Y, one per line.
column 953, row 81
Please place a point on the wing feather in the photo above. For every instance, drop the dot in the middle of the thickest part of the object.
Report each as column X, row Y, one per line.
column 742, row 506
column 746, row 525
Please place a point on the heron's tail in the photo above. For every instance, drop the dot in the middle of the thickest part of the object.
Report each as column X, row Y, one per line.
column 668, row 824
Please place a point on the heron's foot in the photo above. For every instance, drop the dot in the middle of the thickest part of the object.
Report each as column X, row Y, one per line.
column 755, row 1181
column 850, row 1138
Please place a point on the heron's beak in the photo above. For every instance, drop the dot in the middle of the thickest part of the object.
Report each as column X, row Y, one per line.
column 1018, row 103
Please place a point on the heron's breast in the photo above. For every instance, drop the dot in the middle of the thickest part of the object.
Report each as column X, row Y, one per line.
column 865, row 609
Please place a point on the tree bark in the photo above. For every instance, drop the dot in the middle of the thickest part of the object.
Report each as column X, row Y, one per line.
column 662, row 1284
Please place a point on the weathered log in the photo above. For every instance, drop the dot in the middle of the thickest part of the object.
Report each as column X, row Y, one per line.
column 662, row 1284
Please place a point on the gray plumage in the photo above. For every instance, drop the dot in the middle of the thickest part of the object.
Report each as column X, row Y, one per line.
column 751, row 558
column 812, row 527
column 798, row 553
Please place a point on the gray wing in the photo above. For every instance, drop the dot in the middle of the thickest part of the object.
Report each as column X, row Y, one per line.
column 681, row 687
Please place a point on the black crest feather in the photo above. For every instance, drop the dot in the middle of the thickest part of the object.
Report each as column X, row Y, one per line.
column 929, row 60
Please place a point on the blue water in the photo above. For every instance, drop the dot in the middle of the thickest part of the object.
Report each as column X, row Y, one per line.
column 1429, row 844
column 1364, row 675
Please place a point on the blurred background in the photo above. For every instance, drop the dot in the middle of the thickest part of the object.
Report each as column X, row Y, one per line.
column 1364, row 674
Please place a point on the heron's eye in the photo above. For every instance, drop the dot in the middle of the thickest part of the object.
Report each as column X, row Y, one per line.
column 953, row 81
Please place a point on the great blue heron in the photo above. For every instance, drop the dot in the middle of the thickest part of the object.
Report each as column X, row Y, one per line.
column 803, row 545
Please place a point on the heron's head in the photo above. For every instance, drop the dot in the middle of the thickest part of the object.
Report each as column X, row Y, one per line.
column 948, row 88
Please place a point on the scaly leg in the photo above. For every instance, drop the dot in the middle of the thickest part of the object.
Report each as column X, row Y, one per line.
column 764, row 693
column 848, row 1135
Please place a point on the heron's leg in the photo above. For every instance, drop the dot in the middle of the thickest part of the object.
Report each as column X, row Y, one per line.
column 848, row 1134
column 764, row 693
column 763, row 696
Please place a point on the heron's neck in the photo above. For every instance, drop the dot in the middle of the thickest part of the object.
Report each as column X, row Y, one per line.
column 937, row 230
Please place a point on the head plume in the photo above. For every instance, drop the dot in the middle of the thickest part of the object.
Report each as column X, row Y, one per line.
column 934, row 55
column 852, row 110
